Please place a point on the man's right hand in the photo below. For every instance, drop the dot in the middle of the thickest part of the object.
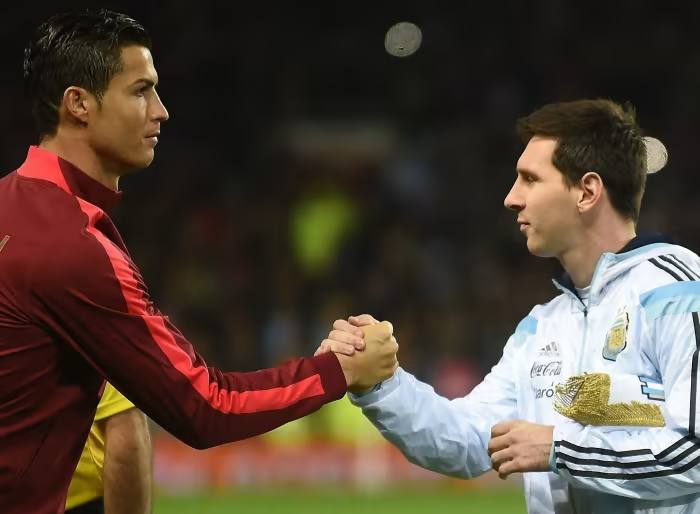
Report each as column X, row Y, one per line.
column 366, row 368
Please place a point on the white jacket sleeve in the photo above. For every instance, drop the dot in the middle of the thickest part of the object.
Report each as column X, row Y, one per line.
column 446, row 436
column 648, row 463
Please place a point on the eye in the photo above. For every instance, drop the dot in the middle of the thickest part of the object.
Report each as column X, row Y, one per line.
column 142, row 90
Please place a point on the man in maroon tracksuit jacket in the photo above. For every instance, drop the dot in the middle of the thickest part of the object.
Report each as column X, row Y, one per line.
column 73, row 305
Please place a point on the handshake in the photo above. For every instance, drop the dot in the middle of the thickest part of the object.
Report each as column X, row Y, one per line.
column 365, row 348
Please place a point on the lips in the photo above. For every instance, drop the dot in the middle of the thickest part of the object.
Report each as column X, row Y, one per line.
column 152, row 138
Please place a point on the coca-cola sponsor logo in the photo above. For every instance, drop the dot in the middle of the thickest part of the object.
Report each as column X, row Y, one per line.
column 545, row 369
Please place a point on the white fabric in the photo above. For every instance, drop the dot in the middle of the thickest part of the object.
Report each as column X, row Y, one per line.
column 627, row 388
column 658, row 470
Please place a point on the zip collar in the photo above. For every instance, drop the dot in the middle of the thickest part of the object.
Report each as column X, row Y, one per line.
column 611, row 265
column 44, row 165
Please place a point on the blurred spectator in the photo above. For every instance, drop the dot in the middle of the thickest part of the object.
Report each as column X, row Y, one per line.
column 391, row 186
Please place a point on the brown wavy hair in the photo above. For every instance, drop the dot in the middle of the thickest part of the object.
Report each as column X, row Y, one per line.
column 595, row 136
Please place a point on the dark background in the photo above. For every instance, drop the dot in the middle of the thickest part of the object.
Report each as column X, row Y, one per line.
column 305, row 174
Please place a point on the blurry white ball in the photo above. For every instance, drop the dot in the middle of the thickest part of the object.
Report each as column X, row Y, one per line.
column 657, row 155
column 403, row 39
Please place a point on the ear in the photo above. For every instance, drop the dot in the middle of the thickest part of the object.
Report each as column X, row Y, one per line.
column 590, row 191
column 78, row 102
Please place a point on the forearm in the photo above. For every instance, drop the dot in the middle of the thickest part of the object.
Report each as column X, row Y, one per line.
column 433, row 432
column 128, row 468
column 116, row 328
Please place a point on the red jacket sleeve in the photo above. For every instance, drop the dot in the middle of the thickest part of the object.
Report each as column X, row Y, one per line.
column 92, row 297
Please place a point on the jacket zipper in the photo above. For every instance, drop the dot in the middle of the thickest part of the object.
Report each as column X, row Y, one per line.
column 585, row 338
column 582, row 349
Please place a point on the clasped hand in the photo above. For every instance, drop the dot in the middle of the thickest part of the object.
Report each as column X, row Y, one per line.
column 366, row 350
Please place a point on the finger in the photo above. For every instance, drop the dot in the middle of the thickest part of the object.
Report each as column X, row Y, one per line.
column 322, row 348
column 338, row 347
column 345, row 337
column 389, row 326
column 507, row 469
column 501, row 457
column 341, row 324
column 362, row 320
column 498, row 443
column 501, row 428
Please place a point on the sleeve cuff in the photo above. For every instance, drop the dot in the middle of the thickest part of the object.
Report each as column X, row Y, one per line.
column 378, row 391
column 332, row 377
column 553, row 460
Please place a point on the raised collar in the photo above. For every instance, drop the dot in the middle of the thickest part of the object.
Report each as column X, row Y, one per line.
column 632, row 247
column 44, row 165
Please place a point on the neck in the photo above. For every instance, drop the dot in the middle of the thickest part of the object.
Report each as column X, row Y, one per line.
column 76, row 151
column 580, row 260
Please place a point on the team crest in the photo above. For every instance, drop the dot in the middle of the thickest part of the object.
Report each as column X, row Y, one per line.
column 616, row 339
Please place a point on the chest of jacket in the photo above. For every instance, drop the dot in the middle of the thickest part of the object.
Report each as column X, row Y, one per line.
column 583, row 337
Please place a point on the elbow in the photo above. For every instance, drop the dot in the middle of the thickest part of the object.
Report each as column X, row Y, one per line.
column 202, row 444
column 197, row 440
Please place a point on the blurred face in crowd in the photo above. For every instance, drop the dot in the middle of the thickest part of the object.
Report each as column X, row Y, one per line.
column 123, row 127
column 546, row 207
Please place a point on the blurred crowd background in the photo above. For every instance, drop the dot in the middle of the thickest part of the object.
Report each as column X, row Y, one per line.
column 305, row 174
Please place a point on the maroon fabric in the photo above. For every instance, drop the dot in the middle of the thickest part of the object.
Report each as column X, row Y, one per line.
column 74, row 309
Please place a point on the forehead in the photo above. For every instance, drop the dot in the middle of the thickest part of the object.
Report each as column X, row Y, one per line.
column 537, row 155
column 137, row 63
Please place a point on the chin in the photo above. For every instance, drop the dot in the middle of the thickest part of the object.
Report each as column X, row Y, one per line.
column 143, row 161
column 538, row 250
column 147, row 162
column 134, row 165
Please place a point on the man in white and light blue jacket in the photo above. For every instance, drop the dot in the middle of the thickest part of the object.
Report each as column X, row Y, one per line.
column 628, row 305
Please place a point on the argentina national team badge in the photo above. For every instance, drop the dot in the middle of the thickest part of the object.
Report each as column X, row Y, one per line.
column 616, row 339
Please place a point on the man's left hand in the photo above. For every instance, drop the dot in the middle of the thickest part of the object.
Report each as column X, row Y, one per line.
column 518, row 446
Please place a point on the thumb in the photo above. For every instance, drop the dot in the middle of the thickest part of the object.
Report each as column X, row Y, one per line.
column 388, row 326
column 362, row 320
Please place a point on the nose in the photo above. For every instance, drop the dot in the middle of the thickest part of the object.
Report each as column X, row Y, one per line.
column 159, row 113
column 514, row 200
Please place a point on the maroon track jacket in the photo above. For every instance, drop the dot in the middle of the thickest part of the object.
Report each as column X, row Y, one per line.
column 74, row 309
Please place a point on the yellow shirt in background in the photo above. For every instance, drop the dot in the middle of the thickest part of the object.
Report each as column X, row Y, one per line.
column 87, row 479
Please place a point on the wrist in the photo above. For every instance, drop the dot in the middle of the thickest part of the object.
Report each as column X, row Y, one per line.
column 363, row 389
column 348, row 378
column 359, row 394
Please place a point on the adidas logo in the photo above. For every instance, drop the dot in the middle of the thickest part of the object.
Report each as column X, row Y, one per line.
column 551, row 350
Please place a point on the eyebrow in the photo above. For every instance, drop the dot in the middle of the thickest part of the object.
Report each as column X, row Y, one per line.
column 145, row 82
column 525, row 171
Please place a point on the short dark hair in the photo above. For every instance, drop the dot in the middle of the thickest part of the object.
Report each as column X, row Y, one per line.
column 595, row 135
column 78, row 48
